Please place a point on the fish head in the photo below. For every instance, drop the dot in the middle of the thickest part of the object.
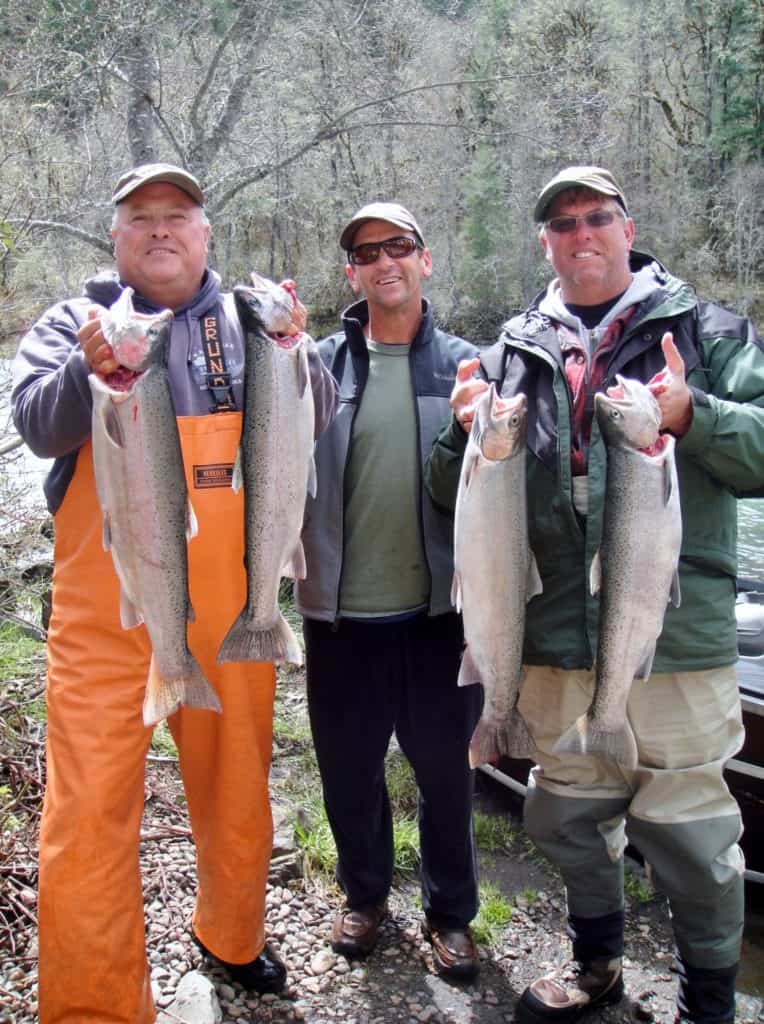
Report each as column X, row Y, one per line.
column 267, row 303
column 136, row 339
column 499, row 425
column 628, row 414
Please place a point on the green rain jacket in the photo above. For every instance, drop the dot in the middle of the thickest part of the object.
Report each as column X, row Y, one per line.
column 719, row 459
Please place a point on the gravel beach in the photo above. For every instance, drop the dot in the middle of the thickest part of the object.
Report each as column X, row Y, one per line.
column 397, row 983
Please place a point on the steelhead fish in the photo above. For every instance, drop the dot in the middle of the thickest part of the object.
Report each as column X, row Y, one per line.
column 275, row 467
column 131, row 334
column 635, row 569
column 495, row 572
column 147, row 516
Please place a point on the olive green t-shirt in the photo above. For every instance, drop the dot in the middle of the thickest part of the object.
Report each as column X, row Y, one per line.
column 384, row 569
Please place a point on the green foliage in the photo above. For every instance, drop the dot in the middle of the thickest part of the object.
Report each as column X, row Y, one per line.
column 494, row 914
column 8, row 820
column 406, row 855
column 493, row 833
column 401, row 784
column 20, row 655
column 315, row 839
column 162, row 742
column 637, row 887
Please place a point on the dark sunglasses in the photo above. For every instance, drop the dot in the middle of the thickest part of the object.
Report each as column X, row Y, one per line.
column 395, row 248
column 593, row 219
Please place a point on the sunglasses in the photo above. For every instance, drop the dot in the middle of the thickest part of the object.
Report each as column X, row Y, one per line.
column 396, row 248
column 593, row 219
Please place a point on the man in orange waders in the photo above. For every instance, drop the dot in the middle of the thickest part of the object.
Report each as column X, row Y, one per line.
column 93, row 963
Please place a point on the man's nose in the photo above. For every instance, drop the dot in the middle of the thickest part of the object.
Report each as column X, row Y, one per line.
column 160, row 226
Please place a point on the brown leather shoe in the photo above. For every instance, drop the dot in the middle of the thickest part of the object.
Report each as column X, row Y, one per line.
column 566, row 994
column 453, row 950
column 355, row 929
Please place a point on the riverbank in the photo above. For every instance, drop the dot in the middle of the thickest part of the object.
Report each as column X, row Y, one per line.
column 397, row 982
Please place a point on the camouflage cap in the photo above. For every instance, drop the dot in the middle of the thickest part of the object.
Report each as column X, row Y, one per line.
column 145, row 174
column 595, row 178
column 393, row 213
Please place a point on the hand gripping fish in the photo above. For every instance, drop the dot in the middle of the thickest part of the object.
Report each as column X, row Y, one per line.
column 147, row 516
column 495, row 572
column 635, row 569
column 275, row 467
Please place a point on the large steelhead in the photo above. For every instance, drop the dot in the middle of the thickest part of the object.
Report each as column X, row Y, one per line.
column 147, row 516
column 495, row 572
column 276, row 469
column 635, row 569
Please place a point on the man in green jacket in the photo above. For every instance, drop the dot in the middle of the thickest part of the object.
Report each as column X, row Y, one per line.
column 613, row 310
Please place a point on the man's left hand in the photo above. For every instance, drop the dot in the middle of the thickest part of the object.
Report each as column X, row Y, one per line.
column 671, row 392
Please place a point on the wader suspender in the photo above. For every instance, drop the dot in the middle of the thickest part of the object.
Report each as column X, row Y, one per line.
column 218, row 378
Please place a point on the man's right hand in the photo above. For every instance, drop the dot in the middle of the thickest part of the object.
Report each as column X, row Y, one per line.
column 466, row 390
column 96, row 349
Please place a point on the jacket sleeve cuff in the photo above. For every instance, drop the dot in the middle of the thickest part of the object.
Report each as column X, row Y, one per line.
column 702, row 426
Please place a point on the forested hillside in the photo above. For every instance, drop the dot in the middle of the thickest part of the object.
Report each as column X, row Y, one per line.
column 293, row 113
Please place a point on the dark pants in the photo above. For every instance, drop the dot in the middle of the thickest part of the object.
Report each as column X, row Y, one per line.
column 366, row 680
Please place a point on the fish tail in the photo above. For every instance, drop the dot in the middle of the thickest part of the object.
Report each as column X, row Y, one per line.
column 276, row 643
column 575, row 739
column 586, row 736
column 516, row 739
column 619, row 746
column 165, row 696
column 484, row 745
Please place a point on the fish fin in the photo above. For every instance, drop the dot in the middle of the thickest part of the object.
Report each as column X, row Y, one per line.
column 112, row 426
column 192, row 523
column 129, row 616
column 245, row 642
column 492, row 739
column 469, row 673
column 468, row 467
column 573, row 740
column 585, row 736
column 237, row 477
column 106, row 532
column 645, row 663
column 675, row 595
column 595, row 574
column 516, row 739
column 534, row 585
column 484, row 745
column 456, row 591
column 303, row 372
column 164, row 696
column 296, row 567
column 312, row 478
column 668, row 482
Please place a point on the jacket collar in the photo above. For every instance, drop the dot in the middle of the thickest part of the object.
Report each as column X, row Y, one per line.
column 355, row 318
column 106, row 287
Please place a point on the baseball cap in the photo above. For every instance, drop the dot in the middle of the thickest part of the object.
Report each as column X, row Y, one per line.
column 145, row 174
column 595, row 178
column 394, row 213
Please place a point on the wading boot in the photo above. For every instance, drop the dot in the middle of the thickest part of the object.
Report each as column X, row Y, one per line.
column 566, row 994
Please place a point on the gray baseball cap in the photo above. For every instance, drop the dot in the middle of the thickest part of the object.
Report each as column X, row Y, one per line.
column 595, row 178
column 394, row 213
column 145, row 174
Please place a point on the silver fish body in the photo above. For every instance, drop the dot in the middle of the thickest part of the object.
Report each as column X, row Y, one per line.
column 495, row 572
column 147, row 518
column 276, row 469
column 635, row 570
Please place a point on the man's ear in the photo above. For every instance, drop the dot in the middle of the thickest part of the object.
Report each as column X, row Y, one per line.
column 355, row 284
